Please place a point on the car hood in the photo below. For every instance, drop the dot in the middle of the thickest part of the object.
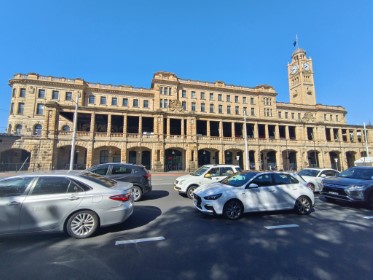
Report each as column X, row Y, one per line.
column 185, row 177
column 213, row 188
column 346, row 182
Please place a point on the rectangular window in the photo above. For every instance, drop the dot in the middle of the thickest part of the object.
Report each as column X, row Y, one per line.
column 193, row 106
column 125, row 102
column 202, row 95
column 55, row 94
column 146, row 104
column 22, row 92
column 299, row 115
column 202, row 107
column 183, row 93
column 135, row 103
column 193, row 94
column 228, row 98
column 245, row 111
column 252, row 112
column 237, row 110
column 161, row 103
column 103, row 100
column 183, row 104
column 220, row 97
column 40, row 109
column 220, row 109
column 228, row 109
column 279, row 115
column 68, row 96
column 244, row 100
column 336, row 117
column 41, row 93
column 292, row 116
column 252, row 101
column 165, row 103
column 286, row 115
column 91, row 99
column 211, row 96
column 21, row 108
column 114, row 101
column 236, row 99
column 211, row 108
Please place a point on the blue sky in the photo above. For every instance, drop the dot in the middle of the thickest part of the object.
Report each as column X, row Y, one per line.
column 242, row 42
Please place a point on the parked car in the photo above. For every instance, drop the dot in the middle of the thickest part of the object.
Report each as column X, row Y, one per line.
column 353, row 185
column 205, row 174
column 136, row 174
column 315, row 176
column 249, row 191
column 75, row 202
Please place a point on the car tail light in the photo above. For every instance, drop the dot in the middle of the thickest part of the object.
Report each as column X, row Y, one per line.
column 147, row 176
column 121, row 197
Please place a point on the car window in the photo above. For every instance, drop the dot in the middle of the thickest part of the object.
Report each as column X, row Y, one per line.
column 200, row 171
column 329, row 173
column 225, row 171
column 75, row 187
column 14, row 186
column 214, row 172
column 238, row 179
column 357, row 173
column 102, row 170
column 283, row 179
column 51, row 185
column 308, row 172
column 263, row 180
column 120, row 169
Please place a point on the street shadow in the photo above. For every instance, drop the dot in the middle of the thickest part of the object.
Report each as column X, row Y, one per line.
column 153, row 195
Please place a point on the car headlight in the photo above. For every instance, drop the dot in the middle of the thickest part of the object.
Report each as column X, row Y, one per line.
column 181, row 181
column 213, row 196
column 356, row 192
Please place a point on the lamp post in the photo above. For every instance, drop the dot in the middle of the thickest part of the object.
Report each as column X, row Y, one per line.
column 246, row 144
column 72, row 154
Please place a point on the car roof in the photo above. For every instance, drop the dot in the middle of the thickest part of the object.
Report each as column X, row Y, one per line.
column 221, row 165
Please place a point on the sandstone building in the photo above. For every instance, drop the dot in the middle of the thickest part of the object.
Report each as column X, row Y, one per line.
column 178, row 124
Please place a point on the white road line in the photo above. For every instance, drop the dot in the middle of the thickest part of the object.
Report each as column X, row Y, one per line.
column 282, row 226
column 368, row 217
column 134, row 241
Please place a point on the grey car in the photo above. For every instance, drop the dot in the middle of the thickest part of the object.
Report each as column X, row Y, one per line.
column 77, row 203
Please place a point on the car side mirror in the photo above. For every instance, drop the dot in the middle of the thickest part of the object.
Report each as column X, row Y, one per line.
column 208, row 176
column 253, row 186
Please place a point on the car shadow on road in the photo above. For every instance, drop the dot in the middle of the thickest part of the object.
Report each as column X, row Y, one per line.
column 153, row 195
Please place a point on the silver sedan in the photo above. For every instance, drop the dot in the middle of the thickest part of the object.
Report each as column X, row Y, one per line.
column 77, row 203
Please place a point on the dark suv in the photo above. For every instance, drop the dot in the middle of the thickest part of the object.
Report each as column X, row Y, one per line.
column 126, row 172
column 354, row 185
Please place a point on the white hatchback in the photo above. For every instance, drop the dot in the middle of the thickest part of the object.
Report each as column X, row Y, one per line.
column 315, row 176
column 206, row 174
column 253, row 192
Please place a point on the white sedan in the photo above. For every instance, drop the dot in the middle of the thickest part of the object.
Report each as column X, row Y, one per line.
column 253, row 192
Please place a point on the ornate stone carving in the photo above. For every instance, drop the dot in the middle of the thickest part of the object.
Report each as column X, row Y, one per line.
column 175, row 106
column 308, row 117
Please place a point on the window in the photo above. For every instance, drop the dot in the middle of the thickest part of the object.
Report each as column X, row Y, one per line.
column 236, row 99
column 40, row 109
column 55, row 94
column 104, row 156
column 193, row 106
column 91, row 99
column 211, row 96
column 193, row 94
column 160, row 103
column 292, row 116
column 252, row 101
column 103, row 100
column 244, row 100
column 183, row 93
column 14, row 186
column 336, row 117
column 41, row 93
column 202, row 107
column 51, row 185
column 286, row 115
column 220, row 97
column 211, row 108
column 220, row 109
column 69, row 96
column 22, row 92
column 284, row 179
column 183, row 104
column 279, row 115
column 237, row 110
column 228, row 109
column 202, row 95
column 263, row 180
column 102, row 170
column 18, row 129
column 146, row 103
column 37, row 130
column 125, row 102
column 114, row 101
column 21, row 108
column 120, row 169
column 135, row 103
column 228, row 98
column 252, row 111
column 165, row 103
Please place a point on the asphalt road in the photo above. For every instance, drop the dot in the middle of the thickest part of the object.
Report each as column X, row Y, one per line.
column 166, row 238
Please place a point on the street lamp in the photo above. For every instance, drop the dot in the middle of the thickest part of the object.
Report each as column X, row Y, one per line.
column 72, row 154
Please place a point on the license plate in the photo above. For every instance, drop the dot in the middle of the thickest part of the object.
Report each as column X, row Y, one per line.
column 335, row 193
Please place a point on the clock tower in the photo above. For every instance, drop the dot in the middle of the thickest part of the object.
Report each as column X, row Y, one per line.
column 300, row 75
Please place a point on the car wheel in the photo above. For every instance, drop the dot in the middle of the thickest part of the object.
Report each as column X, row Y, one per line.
column 190, row 191
column 303, row 205
column 233, row 209
column 82, row 224
column 137, row 193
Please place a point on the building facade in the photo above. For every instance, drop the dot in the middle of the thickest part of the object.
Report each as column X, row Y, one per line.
column 179, row 124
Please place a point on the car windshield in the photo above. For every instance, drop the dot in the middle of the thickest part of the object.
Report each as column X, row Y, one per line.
column 200, row 171
column 99, row 179
column 308, row 172
column 238, row 179
column 357, row 173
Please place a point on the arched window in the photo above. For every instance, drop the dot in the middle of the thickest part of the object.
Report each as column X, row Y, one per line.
column 66, row 128
column 104, row 156
column 37, row 129
column 18, row 129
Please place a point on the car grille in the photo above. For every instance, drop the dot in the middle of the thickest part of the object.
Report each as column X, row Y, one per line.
column 334, row 190
column 198, row 200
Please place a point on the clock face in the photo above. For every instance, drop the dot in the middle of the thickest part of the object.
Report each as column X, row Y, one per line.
column 306, row 66
column 294, row 69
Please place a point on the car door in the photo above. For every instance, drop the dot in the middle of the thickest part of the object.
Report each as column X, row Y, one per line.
column 50, row 201
column 260, row 194
column 12, row 194
column 287, row 190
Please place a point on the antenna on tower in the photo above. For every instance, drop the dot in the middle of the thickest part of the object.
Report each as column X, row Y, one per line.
column 296, row 42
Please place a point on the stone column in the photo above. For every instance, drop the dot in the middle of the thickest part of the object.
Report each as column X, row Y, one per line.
column 108, row 132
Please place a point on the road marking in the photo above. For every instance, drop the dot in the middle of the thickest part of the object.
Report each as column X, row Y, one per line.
column 368, row 217
column 134, row 241
column 282, row 226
